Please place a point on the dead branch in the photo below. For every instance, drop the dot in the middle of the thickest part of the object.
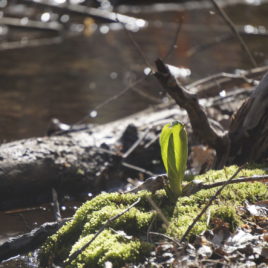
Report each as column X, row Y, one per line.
column 24, row 243
column 199, row 121
column 211, row 85
column 156, row 183
column 248, row 126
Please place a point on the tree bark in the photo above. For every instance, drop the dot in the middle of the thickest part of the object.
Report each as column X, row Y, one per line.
column 249, row 128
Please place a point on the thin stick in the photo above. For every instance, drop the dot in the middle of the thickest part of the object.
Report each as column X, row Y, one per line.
column 208, row 84
column 108, row 222
column 239, row 180
column 158, row 211
column 167, row 237
column 209, row 204
column 146, row 146
column 137, row 168
column 107, row 101
column 201, row 126
column 155, row 183
column 176, row 37
column 231, row 25
column 55, row 206
column 146, row 95
column 136, row 144
column 140, row 51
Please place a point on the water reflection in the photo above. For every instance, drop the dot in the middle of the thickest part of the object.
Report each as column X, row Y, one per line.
column 68, row 80
column 3, row 3
column 45, row 17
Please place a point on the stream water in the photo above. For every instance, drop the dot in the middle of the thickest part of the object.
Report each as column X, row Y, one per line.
column 68, row 80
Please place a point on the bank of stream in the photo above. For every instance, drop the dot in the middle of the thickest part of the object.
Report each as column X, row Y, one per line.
column 73, row 78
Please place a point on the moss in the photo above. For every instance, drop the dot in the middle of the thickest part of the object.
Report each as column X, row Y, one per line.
column 109, row 247
column 133, row 247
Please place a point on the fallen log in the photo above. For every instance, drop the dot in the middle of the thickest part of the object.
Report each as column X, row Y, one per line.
column 87, row 161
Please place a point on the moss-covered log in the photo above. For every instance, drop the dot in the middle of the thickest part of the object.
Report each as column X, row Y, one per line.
column 124, row 240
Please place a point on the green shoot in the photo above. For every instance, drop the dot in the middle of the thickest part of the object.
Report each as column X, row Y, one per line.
column 174, row 152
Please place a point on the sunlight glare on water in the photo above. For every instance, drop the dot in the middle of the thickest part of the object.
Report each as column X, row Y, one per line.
column 59, row 1
column 73, row 2
column 3, row 3
column 45, row 17
column 147, row 70
column 93, row 114
column 254, row 2
column 104, row 29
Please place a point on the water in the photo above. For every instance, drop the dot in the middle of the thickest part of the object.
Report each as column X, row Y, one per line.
column 68, row 80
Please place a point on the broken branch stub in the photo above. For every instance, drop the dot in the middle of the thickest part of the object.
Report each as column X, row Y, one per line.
column 247, row 138
column 201, row 127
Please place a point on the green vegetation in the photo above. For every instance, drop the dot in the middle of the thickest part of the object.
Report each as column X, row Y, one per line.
column 174, row 152
column 124, row 241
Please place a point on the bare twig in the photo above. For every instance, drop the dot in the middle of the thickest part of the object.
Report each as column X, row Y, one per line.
column 107, row 101
column 136, row 144
column 29, row 241
column 107, row 223
column 155, row 183
column 219, row 40
column 201, row 127
column 204, row 86
column 176, row 37
column 231, row 25
column 55, row 205
column 158, row 211
column 151, row 184
column 135, row 83
column 146, row 146
column 146, row 95
column 260, row 178
column 166, row 237
column 145, row 171
column 139, row 49
column 209, row 204
column 217, row 78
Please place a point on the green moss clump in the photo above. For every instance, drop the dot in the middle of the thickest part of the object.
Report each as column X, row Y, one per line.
column 112, row 246
column 88, row 220
column 109, row 247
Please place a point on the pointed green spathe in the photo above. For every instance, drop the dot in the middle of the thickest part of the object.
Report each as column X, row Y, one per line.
column 174, row 151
